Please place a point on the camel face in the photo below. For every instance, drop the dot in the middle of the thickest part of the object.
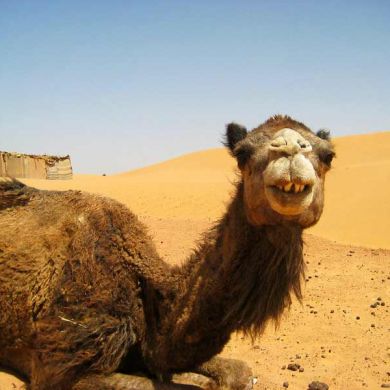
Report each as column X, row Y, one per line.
column 289, row 178
column 283, row 166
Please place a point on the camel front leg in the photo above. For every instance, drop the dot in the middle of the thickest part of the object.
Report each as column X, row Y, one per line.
column 118, row 381
column 229, row 374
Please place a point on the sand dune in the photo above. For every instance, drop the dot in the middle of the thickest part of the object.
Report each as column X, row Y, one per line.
column 198, row 185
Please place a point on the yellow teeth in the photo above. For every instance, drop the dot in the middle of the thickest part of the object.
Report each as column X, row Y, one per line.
column 291, row 187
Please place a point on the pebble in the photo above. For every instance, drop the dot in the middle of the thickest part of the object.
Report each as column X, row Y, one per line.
column 293, row 367
column 318, row 386
column 285, row 384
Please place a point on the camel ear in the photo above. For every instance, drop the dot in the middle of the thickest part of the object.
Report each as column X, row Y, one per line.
column 234, row 134
column 323, row 134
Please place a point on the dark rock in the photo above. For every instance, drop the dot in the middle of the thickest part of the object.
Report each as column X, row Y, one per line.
column 293, row 367
column 318, row 386
column 285, row 384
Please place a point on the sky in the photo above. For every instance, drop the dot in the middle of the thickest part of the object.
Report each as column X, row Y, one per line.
column 124, row 84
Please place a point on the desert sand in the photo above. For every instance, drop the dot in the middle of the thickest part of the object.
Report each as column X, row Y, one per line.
column 334, row 334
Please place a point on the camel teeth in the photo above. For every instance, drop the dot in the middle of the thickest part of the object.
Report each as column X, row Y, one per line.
column 292, row 187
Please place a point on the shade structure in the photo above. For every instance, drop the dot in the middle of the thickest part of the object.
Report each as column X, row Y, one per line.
column 35, row 167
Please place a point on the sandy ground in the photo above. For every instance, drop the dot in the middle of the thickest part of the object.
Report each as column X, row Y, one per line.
column 334, row 334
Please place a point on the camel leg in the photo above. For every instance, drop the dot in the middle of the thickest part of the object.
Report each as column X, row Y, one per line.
column 229, row 374
column 118, row 381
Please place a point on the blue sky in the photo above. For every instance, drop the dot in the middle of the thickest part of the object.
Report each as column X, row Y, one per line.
column 123, row 84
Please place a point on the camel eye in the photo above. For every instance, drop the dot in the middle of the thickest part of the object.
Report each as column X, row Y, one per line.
column 327, row 157
column 243, row 154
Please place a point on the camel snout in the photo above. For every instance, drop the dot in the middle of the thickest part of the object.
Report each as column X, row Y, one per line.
column 289, row 142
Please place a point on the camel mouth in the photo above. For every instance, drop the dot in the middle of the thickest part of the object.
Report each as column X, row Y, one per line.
column 289, row 198
column 292, row 188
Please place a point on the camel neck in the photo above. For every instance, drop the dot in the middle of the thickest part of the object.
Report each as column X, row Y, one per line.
column 228, row 284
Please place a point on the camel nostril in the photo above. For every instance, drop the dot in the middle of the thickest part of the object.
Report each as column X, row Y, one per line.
column 278, row 142
column 303, row 144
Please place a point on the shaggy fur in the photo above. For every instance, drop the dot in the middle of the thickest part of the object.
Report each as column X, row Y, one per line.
column 83, row 291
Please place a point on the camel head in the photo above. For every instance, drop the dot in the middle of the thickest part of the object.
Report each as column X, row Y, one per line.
column 283, row 166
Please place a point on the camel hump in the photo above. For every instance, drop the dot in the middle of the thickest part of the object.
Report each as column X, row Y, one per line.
column 13, row 193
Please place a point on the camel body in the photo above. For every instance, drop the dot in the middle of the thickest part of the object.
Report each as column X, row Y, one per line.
column 84, row 293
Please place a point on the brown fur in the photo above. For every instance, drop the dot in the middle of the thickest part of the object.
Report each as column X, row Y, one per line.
column 83, row 290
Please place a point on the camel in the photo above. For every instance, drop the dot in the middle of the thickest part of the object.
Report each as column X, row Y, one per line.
column 87, row 302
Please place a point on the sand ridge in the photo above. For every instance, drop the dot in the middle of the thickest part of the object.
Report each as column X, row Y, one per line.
column 198, row 185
